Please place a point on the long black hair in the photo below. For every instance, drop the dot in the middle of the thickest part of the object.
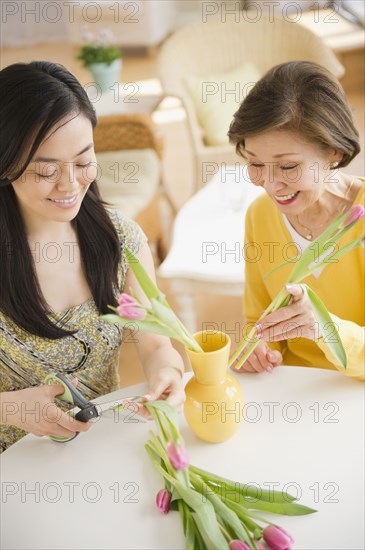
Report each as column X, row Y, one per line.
column 34, row 97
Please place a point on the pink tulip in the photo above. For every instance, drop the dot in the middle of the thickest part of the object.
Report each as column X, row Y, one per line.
column 129, row 307
column 238, row 545
column 177, row 456
column 355, row 213
column 277, row 538
column 163, row 499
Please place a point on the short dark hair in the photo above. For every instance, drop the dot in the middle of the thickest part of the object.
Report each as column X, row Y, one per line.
column 34, row 97
column 302, row 97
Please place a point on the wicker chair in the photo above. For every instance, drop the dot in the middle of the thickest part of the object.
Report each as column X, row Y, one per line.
column 131, row 139
column 202, row 48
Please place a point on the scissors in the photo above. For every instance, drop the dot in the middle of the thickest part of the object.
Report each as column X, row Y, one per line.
column 88, row 409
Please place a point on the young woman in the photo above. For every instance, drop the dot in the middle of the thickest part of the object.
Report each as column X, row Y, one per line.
column 296, row 131
column 62, row 259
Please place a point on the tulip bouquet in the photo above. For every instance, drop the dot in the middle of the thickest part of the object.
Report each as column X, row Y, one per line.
column 327, row 251
column 215, row 512
column 158, row 318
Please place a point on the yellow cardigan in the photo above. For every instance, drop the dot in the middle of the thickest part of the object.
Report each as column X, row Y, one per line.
column 340, row 286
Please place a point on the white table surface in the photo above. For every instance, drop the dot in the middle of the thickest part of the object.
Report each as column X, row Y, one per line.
column 321, row 455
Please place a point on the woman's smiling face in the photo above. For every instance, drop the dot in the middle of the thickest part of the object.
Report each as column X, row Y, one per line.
column 55, row 182
column 292, row 171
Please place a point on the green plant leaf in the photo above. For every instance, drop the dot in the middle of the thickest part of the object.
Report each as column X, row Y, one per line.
column 208, row 528
column 350, row 246
column 242, row 504
column 282, row 508
column 222, row 510
column 306, row 258
column 151, row 290
column 165, row 314
column 143, row 278
column 204, row 514
column 169, row 412
column 333, row 234
column 140, row 324
column 325, row 323
column 193, row 540
column 243, row 489
column 169, row 319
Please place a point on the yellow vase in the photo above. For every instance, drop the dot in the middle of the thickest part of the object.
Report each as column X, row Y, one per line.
column 214, row 400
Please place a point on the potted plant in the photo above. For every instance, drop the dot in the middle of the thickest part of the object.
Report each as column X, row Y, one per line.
column 101, row 57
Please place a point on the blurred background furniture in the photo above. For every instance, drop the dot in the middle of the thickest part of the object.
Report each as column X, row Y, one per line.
column 206, row 48
column 137, row 24
column 122, row 98
column 129, row 163
column 207, row 242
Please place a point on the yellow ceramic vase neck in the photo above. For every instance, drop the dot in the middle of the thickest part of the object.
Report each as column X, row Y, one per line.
column 214, row 401
column 210, row 367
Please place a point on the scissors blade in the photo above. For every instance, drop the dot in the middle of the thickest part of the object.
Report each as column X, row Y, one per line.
column 111, row 405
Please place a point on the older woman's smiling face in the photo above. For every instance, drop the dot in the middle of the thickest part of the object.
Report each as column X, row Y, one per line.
column 55, row 182
column 292, row 171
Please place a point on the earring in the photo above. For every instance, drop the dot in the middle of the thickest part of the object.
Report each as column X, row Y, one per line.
column 335, row 164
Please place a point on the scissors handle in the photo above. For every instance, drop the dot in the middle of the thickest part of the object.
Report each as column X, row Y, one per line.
column 73, row 396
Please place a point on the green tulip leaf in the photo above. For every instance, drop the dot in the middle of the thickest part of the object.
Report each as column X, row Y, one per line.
column 206, row 522
column 347, row 248
column 204, row 514
column 222, row 510
column 282, row 508
column 170, row 413
column 326, row 324
column 190, row 530
column 166, row 314
column 247, row 491
column 139, row 324
column 144, row 280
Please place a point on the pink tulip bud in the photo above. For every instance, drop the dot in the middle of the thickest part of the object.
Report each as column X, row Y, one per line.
column 355, row 213
column 163, row 499
column 238, row 545
column 129, row 307
column 277, row 538
column 177, row 456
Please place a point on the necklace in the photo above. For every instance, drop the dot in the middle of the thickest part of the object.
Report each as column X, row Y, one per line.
column 309, row 232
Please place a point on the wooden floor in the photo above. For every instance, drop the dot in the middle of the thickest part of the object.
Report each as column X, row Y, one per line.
column 177, row 166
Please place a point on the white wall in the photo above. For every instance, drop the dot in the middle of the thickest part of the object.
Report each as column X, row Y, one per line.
column 137, row 22
column 27, row 22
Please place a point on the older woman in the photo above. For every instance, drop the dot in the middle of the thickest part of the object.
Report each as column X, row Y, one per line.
column 296, row 131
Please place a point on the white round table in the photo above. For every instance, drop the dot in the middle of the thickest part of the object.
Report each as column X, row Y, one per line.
column 303, row 431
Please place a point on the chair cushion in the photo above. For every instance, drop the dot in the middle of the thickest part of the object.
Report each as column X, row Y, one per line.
column 128, row 179
column 213, row 102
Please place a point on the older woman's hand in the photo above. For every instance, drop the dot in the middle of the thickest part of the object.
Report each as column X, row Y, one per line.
column 296, row 320
column 261, row 359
